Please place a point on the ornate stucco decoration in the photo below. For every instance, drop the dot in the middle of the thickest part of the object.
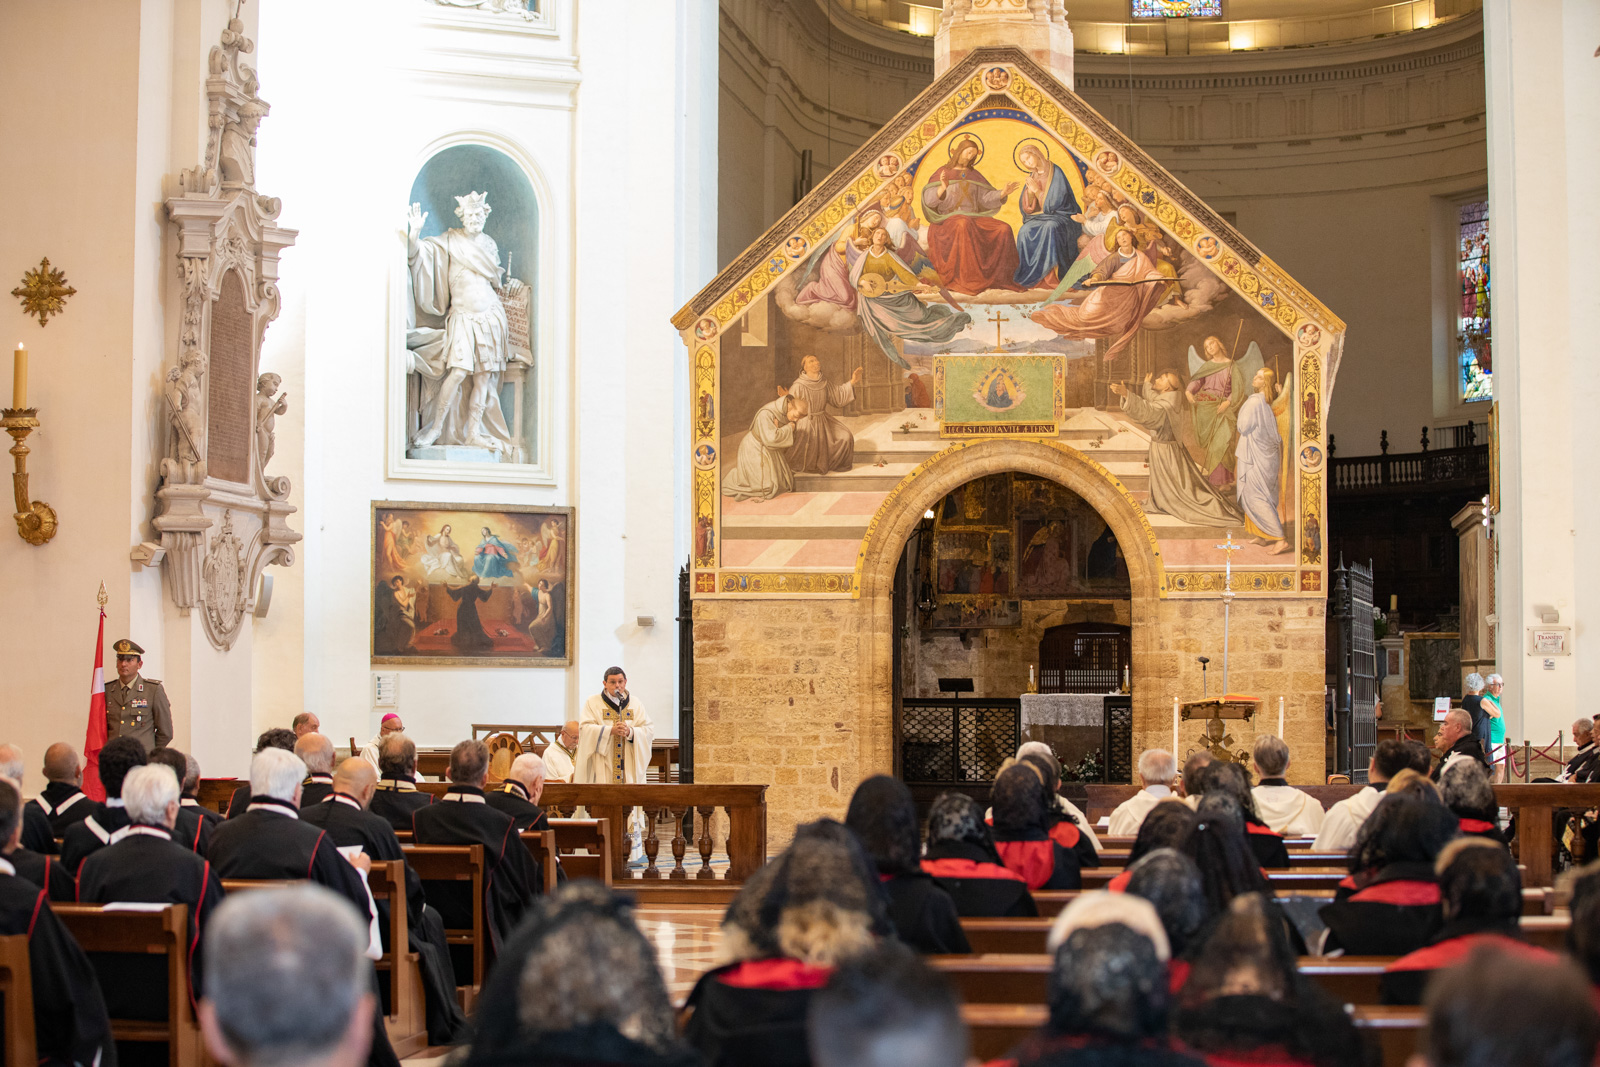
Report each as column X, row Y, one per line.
column 528, row 9
column 213, row 471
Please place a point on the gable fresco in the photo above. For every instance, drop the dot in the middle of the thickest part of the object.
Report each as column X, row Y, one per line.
column 1000, row 262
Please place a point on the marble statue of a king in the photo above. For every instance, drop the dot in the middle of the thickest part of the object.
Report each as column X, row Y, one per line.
column 456, row 277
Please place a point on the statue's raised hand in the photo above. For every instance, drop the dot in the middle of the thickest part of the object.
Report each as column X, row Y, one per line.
column 414, row 221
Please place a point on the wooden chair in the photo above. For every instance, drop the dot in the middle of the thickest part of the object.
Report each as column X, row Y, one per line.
column 503, row 749
column 445, row 870
column 355, row 750
column 541, row 846
column 592, row 835
column 106, row 934
column 16, row 992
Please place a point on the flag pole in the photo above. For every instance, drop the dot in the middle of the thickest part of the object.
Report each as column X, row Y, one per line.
column 94, row 735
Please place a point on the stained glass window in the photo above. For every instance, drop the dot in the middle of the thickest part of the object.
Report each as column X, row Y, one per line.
column 1176, row 9
column 1472, row 334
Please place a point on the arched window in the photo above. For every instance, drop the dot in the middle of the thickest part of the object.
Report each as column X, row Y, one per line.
column 1083, row 657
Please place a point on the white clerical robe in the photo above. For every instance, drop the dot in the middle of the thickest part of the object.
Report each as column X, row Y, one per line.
column 604, row 758
column 1287, row 810
column 1129, row 815
column 1344, row 820
column 558, row 765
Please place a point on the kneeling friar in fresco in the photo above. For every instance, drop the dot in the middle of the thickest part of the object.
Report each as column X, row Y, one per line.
column 615, row 738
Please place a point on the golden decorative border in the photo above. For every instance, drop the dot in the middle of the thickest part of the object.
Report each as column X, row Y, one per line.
column 1244, row 582
column 705, row 419
column 787, row 583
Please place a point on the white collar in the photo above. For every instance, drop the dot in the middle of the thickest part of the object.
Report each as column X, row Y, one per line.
column 1158, row 790
column 188, row 802
column 6, row 868
column 115, row 802
column 465, row 798
column 148, row 831
column 340, row 798
column 318, row 776
column 277, row 807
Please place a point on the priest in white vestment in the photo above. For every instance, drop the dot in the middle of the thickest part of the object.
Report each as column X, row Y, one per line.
column 615, row 738
column 1156, row 769
column 560, row 755
column 1343, row 820
column 1289, row 811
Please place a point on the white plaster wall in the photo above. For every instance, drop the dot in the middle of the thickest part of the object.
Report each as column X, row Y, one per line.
column 619, row 166
column 1544, row 106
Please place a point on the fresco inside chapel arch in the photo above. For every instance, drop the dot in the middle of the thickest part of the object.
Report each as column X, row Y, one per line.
column 1000, row 262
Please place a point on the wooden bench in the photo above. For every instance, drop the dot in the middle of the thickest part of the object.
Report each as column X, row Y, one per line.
column 1290, row 881
column 108, row 933
column 450, row 868
column 541, row 845
column 591, row 835
column 1118, row 858
column 16, row 1000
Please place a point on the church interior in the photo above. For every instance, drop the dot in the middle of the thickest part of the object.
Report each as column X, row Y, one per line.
column 757, row 447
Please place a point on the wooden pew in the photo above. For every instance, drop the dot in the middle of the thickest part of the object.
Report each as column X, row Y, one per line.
column 1118, row 858
column 1292, row 881
column 449, row 866
column 16, row 991
column 1397, row 1031
column 541, row 845
column 592, row 835
column 103, row 934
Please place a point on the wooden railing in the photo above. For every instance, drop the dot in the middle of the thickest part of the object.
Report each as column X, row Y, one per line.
column 1441, row 469
column 435, row 762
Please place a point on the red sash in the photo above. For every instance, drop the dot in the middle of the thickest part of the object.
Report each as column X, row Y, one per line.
column 957, row 868
column 1119, row 884
column 1035, row 861
column 777, row 974
column 1404, row 893
column 1477, row 826
column 1456, row 949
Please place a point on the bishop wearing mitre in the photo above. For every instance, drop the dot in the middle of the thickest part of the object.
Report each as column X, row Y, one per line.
column 614, row 743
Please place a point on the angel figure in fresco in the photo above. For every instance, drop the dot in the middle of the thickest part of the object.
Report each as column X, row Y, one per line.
column 1047, row 242
column 542, row 630
column 553, row 554
column 1176, row 486
column 888, row 303
column 761, row 471
column 1263, row 427
column 1124, row 288
column 394, row 623
column 970, row 248
column 389, row 544
column 1217, row 387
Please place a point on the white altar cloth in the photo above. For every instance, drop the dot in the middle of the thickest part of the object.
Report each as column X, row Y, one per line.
column 1063, row 709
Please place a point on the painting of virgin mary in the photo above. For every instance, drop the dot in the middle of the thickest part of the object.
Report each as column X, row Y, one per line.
column 1047, row 242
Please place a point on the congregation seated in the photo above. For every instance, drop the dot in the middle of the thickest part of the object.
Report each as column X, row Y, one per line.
column 278, row 738
column 1059, row 807
column 1233, row 781
column 1245, row 1000
column 397, row 797
column 1466, row 790
column 1156, row 771
column 62, row 800
column 962, row 860
column 886, row 1009
column 561, row 755
column 1288, row 811
column 578, row 985
column 1170, row 824
column 70, row 1022
column 1391, row 905
column 1170, row 881
column 316, row 752
column 190, row 786
column 145, row 865
column 1189, row 778
column 44, row 871
column 1481, row 903
column 1228, row 868
column 1344, row 818
column 512, row 877
column 194, row 824
column 1067, row 828
column 1020, row 835
column 1584, row 762
column 1108, row 990
column 119, row 756
column 37, row 836
column 1455, row 742
column 883, row 817
column 343, row 815
column 288, row 982
column 518, row 796
column 808, row 911
column 1500, row 1008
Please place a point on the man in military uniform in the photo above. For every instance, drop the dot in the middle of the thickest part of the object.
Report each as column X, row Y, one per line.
column 136, row 707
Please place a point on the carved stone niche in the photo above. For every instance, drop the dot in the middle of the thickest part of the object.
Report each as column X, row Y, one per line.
column 221, row 517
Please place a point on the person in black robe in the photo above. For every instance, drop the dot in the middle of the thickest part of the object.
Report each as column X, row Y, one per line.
column 277, row 737
column 1061, row 824
column 1245, row 999
column 1232, row 780
column 36, row 833
column 798, row 917
column 63, row 801
column 1171, row 882
column 512, row 878
column 961, row 858
column 46, row 872
column 119, row 756
column 469, row 635
column 1467, row 792
column 194, row 823
column 1393, row 904
column 1456, row 739
column 397, row 797
column 1500, row 1008
column 885, row 1008
column 268, row 841
column 1228, row 869
column 316, row 752
column 518, row 796
column 614, row 1010
column 147, row 865
column 883, row 817
column 345, row 818
column 1025, row 845
column 1482, row 905
column 69, row 1015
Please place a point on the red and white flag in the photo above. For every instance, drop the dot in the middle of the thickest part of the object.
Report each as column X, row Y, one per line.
column 94, row 738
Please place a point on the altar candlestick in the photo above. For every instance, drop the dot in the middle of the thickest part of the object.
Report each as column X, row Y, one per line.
column 1030, row 677
column 1175, row 754
column 19, row 377
column 1280, row 718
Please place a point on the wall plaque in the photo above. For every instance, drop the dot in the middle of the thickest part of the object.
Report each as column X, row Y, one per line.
column 228, row 421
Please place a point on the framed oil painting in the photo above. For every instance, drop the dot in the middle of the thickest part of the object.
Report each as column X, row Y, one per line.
column 473, row 585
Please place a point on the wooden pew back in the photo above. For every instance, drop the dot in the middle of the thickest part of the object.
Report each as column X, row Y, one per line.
column 591, row 835
column 456, row 865
column 16, row 990
column 541, row 845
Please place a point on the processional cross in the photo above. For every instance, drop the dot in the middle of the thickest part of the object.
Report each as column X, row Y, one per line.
column 1229, row 547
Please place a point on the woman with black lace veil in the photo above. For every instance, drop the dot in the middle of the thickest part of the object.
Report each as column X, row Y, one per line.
column 1170, row 824
column 1019, row 803
column 812, row 908
column 1232, row 780
column 1228, row 868
column 1246, row 1003
column 578, row 984
column 962, row 858
column 1390, row 904
column 883, row 817
column 1062, row 825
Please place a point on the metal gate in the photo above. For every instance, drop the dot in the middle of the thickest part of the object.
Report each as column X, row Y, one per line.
column 1084, row 657
column 1355, row 670
column 957, row 742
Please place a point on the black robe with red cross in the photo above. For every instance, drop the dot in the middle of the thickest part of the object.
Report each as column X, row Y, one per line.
column 47, row 873
column 980, row 887
column 1390, row 913
column 754, row 1012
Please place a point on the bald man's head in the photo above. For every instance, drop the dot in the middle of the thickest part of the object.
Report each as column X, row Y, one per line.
column 61, row 764
column 356, row 778
column 316, row 752
column 528, row 770
column 569, row 733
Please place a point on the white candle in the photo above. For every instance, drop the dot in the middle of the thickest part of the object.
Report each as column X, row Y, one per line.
column 1175, row 754
column 1030, row 677
column 19, row 377
column 1280, row 717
